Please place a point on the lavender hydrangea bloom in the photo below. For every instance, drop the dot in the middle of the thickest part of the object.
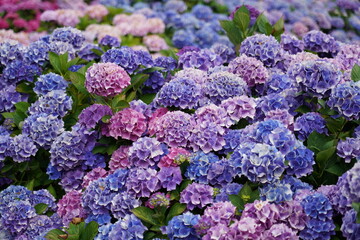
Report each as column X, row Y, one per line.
column 264, row 48
column 276, row 192
column 91, row 115
column 169, row 177
column 245, row 228
column 43, row 196
column 21, row 148
column 43, row 129
column 280, row 231
column 183, row 38
column 55, row 103
column 239, row 107
column 168, row 63
column 122, row 204
column 37, row 52
column 110, row 41
column 119, row 158
column 69, row 207
column 350, row 228
column 18, row 70
column 197, row 195
column 269, row 103
column 93, row 175
column 38, row 227
column 347, row 56
column 321, row 43
column 72, row 179
column 345, row 99
column 200, row 163
column 258, row 162
column 224, row 85
column 319, row 210
column 142, row 182
column 226, row 53
column 11, row 51
column 351, row 186
column 4, row 147
column 9, row 97
column 220, row 173
column 50, row 82
column 130, row 227
column 251, row 70
column 69, row 35
column 200, row 77
column 349, row 149
column 203, row 59
column 182, row 227
column 155, row 82
column 316, row 77
column 278, row 82
column 309, row 122
column 61, row 48
column 104, row 231
column 300, row 160
column 145, row 152
column 124, row 57
column 183, row 93
column 291, row 44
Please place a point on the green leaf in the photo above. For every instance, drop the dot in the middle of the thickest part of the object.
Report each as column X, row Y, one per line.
column 336, row 169
column 106, row 118
column 149, row 235
column 90, row 231
column 356, row 207
column 8, row 114
column 19, row 117
column 335, row 125
column 278, row 29
column 318, row 142
column 355, row 73
column 30, row 184
column 138, row 80
column 7, row 168
column 236, row 201
column 55, row 61
column 78, row 80
column 145, row 214
column 131, row 96
column 175, row 210
column 323, row 157
column 22, row 106
column 245, row 193
column 147, row 98
column 121, row 105
column 52, row 190
column 72, row 62
column 41, row 208
column 263, row 25
column 54, row 234
column 153, row 69
column 25, row 87
column 234, row 33
column 99, row 149
column 97, row 51
column 242, row 18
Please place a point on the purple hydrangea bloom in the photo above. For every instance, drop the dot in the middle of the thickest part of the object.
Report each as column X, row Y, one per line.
column 220, row 173
column 197, row 195
column 69, row 35
column 292, row 214
column 291, row 44
column 61, row 48
column 348, row 4
column 183, row 93
column 38, row 227
column 233, row 138
column 142, row 182
column 122, row 204
column 69, row 207
column 350, row 228
column 202, row 12
column 21, row 148
column 72, row 179
column 43, row 196
column 173, row 128
column 251, row 70
column 169, row 177
column 63, row 156
column 225, row 52
column 9, row 97
column 182, row 227
column 278, row 82
column 50, row 82
column 300, row 160
column 225, row 191
column 158, row 199
column 11, row 51
column 4, row 147
column 37, row 52
column 309, row 122
column 282, row 115
column 18, row 70
column 155, row 82
column 93, row 175
column 239, row 107
column 43, row 129
column 224, row 85
column 280, row 231
column 276, row 192
column 269, row 103
column 316, row 77
column 91, row 115
column 200, row 77
column 345, row 99
column 320, row 225
column 259, row 162
column 130, row 227
column 348, row 56
column 145, row 152
column 124, row 57
column 183, row 38
column 200, row 163
column 13, row 193
column 245, row 228
column 87, row 53
column 55, row 103
column 254, row 13
column 128, row 124
column 321, row 43
column 104, row 231
column 119, row 158
column 110, row 41
column 349, row 149
column 106, row 79
column 203, row 59
column 351, row 187
column 264, row 48
column 168, row 63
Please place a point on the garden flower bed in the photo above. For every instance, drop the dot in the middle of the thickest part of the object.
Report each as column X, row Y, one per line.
column 179, row 120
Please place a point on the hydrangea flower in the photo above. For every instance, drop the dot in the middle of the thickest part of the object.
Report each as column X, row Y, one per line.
column 347, row 56
column 72, row 179
column 291, row 44
column 203, row 59
column 106, row 79
column 300, row 160
column 10, row 51
column 345, row 99
column 155, row 82
column 224, row 85
column 183, row 93
column 278, row 82
column 37, row 52
column 91, row 115
column 110, row 41
column 197, row 195
column 69, row 35
column 269, row 103
column 158, row 200
column 21, row 148
column 349, row 149
column 182, row 227
column 349, row 228
column 173, row 157
column 276, row 192
column 280, row 231
column 128, row 124
column 245, row 228
column 351, row 186
column 55, row 103
column 38, row 227
column 316, row 77
column 282, row 115
column 122, row 204
column 225, row 191
column 251, row 70
column 309, row 122
column 169, row 177
column 130, row 227
column 168, row 63
column 119, row 158
column 4, row 147
column 239, row 107
column 87, row 52
column 145, row 152
column 124, row 57
column 49, row 82
column 321, row 43
column 18, row 70
column 200, row 163
column 225, row 52
column 93, row 175
column 200, row 77
column 9, row 97
column 69, row 207
column 142, row 182
column 220, row 173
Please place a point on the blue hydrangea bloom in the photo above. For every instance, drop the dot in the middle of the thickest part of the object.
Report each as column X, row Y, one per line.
column 270, row 102
column 220, row 173
column 22, row 148
column 124, row 57
column 4, row 147
column 349, row 228
column 69, row 35
column 109, row 41
column 225, row 52
column 130, row 227
column 168, row 63
column 309, row 122
column 203, row 59
column 18, row 70
column 276, row 192
column 50, row 82
column 182, row 227
column 232, row 139
column 9, row 97
column 37, row 52
column 200, row 163
column 115, row 3
column 104, row 231
column 206, row 36
column 43, row 196
column 86, row 52
column 144, row 58
column 321, row 43
column 122, row 204
column 10, row 51
column 154, row 82
column 13, row 193
column 291, row 44
column 277, row 83
column 225, row 191
column 183, row 38
column 295, row 183
column 145, row 152
column 300, row 160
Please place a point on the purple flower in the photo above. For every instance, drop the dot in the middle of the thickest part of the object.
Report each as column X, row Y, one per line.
column 109, row 41
column 349, row 149
column 352, row 183
column 350, row 228
column 91, row 115
column 122, row 204
column 87, row 53
column 49, row 82
column 278, row 82
column 71, row 180
column 226, row 53
column 130, row 227
column 168, row 63
column 183, row 93
column 37, row 52
column 155, row 82
column 21, row 148
column 119, row 158
column 69, row 207
column 276, row 192
column 11, row 51
column 197, row 195
column 309, row 122
column 182, row 227
column 239, row 107
column 281, row 115
column 280, row 231
column 106, row 79
column 69, row 35
column 200, row 77
column 124, row 57
column 145, row 152
column 245, row 228
column 142, row 182
column 291, row 44
column 9, row 97
column 321, row 43
column 203, row 59
column 4, row 147
column 200, row 163
column 220, row 173
column 43, row 196
column 251, row 70
column 348, row 56
column 169, row 177
column 225, row 191
column 300, row 160
column 127, row 124
column 18, row 70
column 292, row 214
column 93, row 175
column 269, row 103
column 38, row 227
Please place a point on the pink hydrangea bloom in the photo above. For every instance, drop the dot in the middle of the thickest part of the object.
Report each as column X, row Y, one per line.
column 69, row 207
column 170, row 159
column 155, row 43
column 93, row 175
column 119, row 159
column 239, row 107
column 96, row 11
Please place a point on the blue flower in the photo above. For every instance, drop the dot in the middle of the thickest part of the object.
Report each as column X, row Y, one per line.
column 129, row 228
column 37, row 52
column 309, row 122
column 321, row 43
column 49, row 82
column 86, row 52
column 69, row 35
column 200, row 163
column 22, row 148
column 124, row 57
column 182, row 227
column 9, row 97
column 300, row 161
column 109, row 41
column 276, row 192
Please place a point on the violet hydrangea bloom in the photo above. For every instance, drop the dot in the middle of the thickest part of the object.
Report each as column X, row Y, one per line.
column 349, row 227
column 169, row 177
column 91, row 115
column 37, row 52
column 10, row 51
column 87, row 52
column 278, row 82
column 309, row 122
column 122, row 204
column 280, row 231
column 106, row 79
column 213, row 113
column 72, row 179
column 239, row 107
column 251, row 70
column 349, row 149
column 226, row 190
column 197, row 75
column 43, row 129
column 300, row 160
column 220, row 173
column 348, row 56
column 93, row 175
column 119, row 158
column 49, row 82
column 130, row 227
column 197, row 195
column 128, row 124
column 56, row 103
column 182, row 227
column 321, row 43
column 18, row 70
column 276, row 192
column 200, row 163
column 69, row 35
column 109, row 41
column 4, row 147
column 22, row 148
column 124, row 57
column 142, row 182
column 183, row 93
column 345, row 99
column 291, row 44
column 203, row 59
column 245, row 228
column 225, row 52
column 351, row 187
column 145, row 152
column 69, row 207
column 9, row 97
column 264, row 48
